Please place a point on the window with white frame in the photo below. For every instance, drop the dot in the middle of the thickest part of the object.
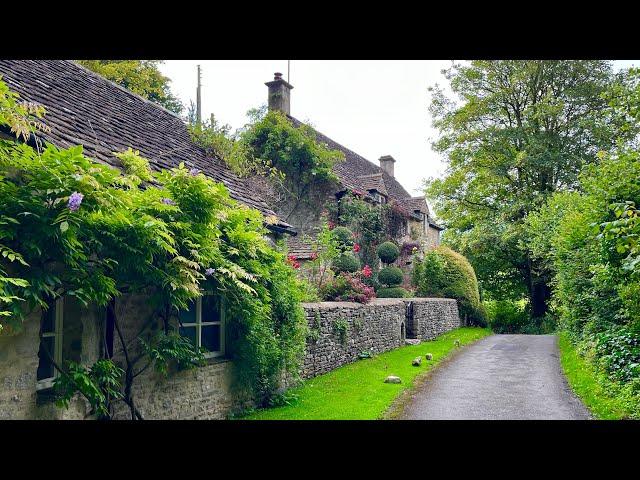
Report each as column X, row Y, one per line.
column 50, row 345
column 203, row 324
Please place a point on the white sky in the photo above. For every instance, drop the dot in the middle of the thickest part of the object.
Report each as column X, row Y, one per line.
column 375, row 107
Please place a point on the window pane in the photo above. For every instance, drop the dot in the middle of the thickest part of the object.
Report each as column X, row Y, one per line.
column 210, row 308
column 211, row 338
column 45, row 367
column 190, row 333
column 188, row 316
column 49, row 319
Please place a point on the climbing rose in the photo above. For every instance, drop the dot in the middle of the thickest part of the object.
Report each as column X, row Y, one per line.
column 209, row 271
column 75, row 200
column 168, row 201
column 366, row 271
column 314, row 255
column 356, row 247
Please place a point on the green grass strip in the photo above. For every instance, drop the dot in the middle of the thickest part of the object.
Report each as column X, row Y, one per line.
column 605, row 399
column 357, row 391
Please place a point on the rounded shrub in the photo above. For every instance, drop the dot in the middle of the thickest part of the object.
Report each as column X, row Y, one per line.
column 347, row 262
column 390, row 276
column 445, row 273
column 343, row 236
column 388, row 252
column 392, row 292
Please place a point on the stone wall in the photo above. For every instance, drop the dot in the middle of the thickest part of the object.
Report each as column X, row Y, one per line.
column 376, row 327
column 340, row 332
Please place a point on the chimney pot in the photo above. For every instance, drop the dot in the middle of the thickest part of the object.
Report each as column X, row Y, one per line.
column 277, row 76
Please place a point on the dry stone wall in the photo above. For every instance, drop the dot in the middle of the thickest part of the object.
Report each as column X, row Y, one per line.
column 342, row 332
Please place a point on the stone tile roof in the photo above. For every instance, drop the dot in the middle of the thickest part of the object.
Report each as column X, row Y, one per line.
column 415, row 204
column 355, row 166
column 373, row 182
column 300, row 247
column 84, row 108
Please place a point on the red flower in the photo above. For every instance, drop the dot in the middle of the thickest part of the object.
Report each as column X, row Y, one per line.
column 332, row 225
column 366, row 271
column 314, row 255
column 356, row 247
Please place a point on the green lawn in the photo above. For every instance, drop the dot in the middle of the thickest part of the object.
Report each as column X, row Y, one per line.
column 357, row 391
column 606, row 400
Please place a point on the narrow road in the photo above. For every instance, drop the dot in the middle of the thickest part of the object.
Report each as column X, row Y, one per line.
column 506, row 377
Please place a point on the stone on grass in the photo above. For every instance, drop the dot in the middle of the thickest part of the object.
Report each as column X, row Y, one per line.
column 417, row 362
column 457, row 343
column 429, row 356
column 412, row 341
column 392, row 379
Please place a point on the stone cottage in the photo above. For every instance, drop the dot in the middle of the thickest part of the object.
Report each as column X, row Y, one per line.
column 84, row 108
column 376, row 183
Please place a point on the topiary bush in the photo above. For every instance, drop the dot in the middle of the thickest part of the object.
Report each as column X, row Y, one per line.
column 392, row 292
column 390, row 276
column 388, row 252
column 344, row 237
column 445, row 273
column 347, row 262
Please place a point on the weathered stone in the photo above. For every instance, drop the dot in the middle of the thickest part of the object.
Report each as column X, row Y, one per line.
column 429, row 356
column 412, row 341
column 392, row 379
column 417, row 362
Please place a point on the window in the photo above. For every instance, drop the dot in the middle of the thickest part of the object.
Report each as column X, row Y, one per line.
column 51, row 342
column 203, row 324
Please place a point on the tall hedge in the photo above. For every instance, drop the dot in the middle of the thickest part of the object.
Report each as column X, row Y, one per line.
column 445, row 273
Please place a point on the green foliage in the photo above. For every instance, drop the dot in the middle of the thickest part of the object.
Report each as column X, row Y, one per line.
column 134, row 165
column 388, row 252
column 347, row 262
column 291, row 150
column 318, row 270
column 343, row 237
column 139, row 76
column 100, row 384
column 445, row 273
column 390, row 276
column 506, row 316
column 619, row 353
column 172, row 347
column 341, row 328
column 218, row 140
column 517, row 132
column 347, row 288
column 392, row 292
column 21, row 117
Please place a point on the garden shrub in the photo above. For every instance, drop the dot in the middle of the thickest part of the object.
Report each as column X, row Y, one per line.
column 392, row 292
column 390, row 276
column 347, row 262
column 619, row 353
column 445, row 273
column 344, row 238
column 388, row 252
column 348, row 288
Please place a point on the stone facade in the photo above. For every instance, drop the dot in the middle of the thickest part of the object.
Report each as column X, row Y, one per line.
column 381, row 325
column 339, row 333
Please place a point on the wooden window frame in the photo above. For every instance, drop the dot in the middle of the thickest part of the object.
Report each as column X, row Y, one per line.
column 199, row 324
column 47, row 383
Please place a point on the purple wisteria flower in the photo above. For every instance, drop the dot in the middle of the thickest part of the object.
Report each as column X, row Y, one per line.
column 75, row 199
column 194, row 171
column 209, row 271
column 168, row 201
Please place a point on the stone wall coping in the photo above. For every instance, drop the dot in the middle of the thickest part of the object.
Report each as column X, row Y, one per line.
column 374, row 302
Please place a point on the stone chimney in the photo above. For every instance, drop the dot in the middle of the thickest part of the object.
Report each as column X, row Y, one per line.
column 279, row 94
column 386, row 164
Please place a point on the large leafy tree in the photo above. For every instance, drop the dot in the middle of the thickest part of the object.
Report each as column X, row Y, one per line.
column 139, row 76
column 518, row 131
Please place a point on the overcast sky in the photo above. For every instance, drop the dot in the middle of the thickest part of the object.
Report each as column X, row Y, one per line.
column 373, row 107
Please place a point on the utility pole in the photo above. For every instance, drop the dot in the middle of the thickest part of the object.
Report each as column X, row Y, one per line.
column 198, row 101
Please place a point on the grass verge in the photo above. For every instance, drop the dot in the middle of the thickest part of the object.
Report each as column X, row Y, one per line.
column 357, row 391
column 605, row 399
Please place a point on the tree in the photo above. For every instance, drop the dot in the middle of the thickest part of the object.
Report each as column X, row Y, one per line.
column 139, row 76
column 523, row 130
